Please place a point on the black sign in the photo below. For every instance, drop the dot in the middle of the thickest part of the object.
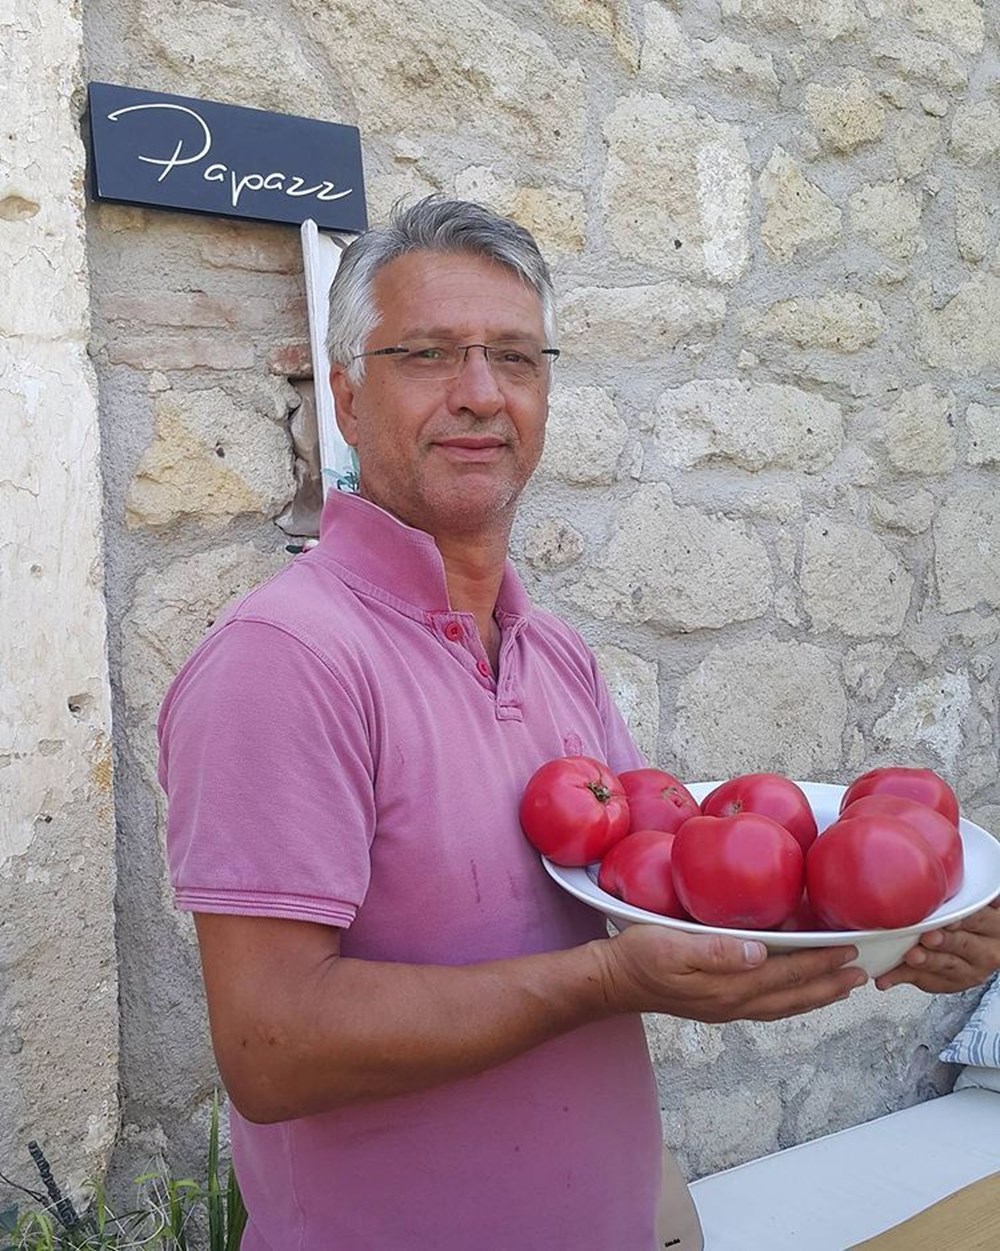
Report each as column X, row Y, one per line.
column 203, row 157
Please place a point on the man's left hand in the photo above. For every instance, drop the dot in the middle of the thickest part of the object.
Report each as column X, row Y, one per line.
column 956, row 958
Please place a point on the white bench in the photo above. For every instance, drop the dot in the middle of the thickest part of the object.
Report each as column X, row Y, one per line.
column 836, row 1191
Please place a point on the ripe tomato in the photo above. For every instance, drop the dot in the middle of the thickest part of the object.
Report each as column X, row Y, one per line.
column 742, row 872
column 873, row 872
column 574, row 810
column 923, row 785
column 656, row 800
column 770, row 795
column 638, row 870
column 804, row 918
column 940, row 833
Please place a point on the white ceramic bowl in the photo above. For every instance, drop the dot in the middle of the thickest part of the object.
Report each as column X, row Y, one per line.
column 878, row 950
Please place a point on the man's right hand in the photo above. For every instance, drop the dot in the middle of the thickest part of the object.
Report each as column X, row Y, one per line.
column 650, row 968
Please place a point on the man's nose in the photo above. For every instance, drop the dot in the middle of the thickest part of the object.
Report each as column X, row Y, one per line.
column 475, row 387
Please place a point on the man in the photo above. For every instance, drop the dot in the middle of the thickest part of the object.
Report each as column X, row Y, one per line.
column 426, row 1044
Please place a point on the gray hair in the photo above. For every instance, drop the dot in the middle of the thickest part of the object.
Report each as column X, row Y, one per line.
column 431, row 225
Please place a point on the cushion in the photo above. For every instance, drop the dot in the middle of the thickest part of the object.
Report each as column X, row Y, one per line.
column 978, row 1042
column 978, row 1076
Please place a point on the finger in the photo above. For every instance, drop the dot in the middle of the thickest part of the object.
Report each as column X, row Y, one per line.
column 818, row 993
column 719, row 954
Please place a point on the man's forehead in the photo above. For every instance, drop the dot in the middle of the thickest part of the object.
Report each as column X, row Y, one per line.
column 430, row 290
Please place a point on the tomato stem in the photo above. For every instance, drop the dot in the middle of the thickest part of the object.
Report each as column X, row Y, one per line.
column 599, row 791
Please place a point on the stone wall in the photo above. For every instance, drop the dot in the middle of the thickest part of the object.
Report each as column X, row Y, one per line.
column 58, row 976
column 769, row 492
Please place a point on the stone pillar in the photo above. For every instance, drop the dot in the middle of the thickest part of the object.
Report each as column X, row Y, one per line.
column 58, row 979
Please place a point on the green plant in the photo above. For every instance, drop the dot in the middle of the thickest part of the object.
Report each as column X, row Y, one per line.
column 171, row 1214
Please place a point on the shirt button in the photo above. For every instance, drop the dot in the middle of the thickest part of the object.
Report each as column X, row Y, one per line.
column 484, row 668
column 453, row 631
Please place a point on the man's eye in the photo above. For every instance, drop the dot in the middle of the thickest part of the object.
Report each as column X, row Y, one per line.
column 510, row 356
column 427, row 354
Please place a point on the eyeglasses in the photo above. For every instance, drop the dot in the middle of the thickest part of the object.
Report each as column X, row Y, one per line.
column 437, row 361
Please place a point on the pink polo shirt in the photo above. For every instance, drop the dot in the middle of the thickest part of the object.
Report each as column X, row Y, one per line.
column 338, row 751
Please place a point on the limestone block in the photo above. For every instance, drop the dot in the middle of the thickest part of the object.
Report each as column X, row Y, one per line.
column 638, row 323
column 975, row 132
column 973, row 232
column 911, row 512
column 667, row 59
column 935, row 105
column 930, row 714
column 847, row 115
column 921, row 59
column 608, row 18
column 675, row 1041
column 889, row 217
column 866, row 666
column 205, row 50
column 961, row 22
column 737, row 66
column 677, row 189
column 798, row 215
column 556, row 216
column 918, row 431
column 964, row 335
column 210, row 460
column 676, row 568
column 479, row 74
column 815, row 19
column 967, row 549
column 983, row 426
column 851, row 582
column 761, row 705
column 553, row 544
column 632, row 682
column 840, row 321
column 584, row 436
column 752, row 426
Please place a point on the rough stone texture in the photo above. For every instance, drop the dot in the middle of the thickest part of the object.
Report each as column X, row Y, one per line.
column 683, row 201
column 983, row 425
column 553, row 544
column 632, row 682
column 816, row 19
column 930, row 714
column 554, row 215
column 584, row 436
column 921, row 59
column 972, row 223
column 909, row 511
column 667, row 58
column 754, row 707
column 609, row 18
column 975, row 132
column 753, row 427
column 847, row 115
column 851, row 582
column 889, row 216
column 964, row 335
column 917, row 432
column 961, row 22
column 915, row 142
column 843, row 322
column 212, row 459
column 676, row 568
column 968, row 573
column 638, row 322
column 58, row 1081
column 798, row 215
column 739, row 66
column 407, row 72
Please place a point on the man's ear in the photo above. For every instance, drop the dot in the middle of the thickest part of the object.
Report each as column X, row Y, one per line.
column 343, row 401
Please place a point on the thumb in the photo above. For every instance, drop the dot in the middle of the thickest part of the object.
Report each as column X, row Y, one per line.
column 730, row 955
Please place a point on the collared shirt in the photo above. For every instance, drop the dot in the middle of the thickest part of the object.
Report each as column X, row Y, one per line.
column 338, row 750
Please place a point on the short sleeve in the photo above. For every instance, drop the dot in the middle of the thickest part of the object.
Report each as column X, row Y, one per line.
column 266, row 761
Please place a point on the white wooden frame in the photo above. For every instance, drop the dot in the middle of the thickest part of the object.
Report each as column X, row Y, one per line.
column 320, row 258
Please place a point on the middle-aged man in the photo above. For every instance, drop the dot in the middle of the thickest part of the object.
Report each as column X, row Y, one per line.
column 427, row 1045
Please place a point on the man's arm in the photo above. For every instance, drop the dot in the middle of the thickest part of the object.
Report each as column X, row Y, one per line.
column 299, row 1029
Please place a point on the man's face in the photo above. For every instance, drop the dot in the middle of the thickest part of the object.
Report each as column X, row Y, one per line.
column 448, row 456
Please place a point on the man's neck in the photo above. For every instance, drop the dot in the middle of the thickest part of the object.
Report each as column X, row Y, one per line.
column 474, row 571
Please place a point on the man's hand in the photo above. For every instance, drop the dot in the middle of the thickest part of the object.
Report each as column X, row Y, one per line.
column 956, row 958
column 711, row 978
